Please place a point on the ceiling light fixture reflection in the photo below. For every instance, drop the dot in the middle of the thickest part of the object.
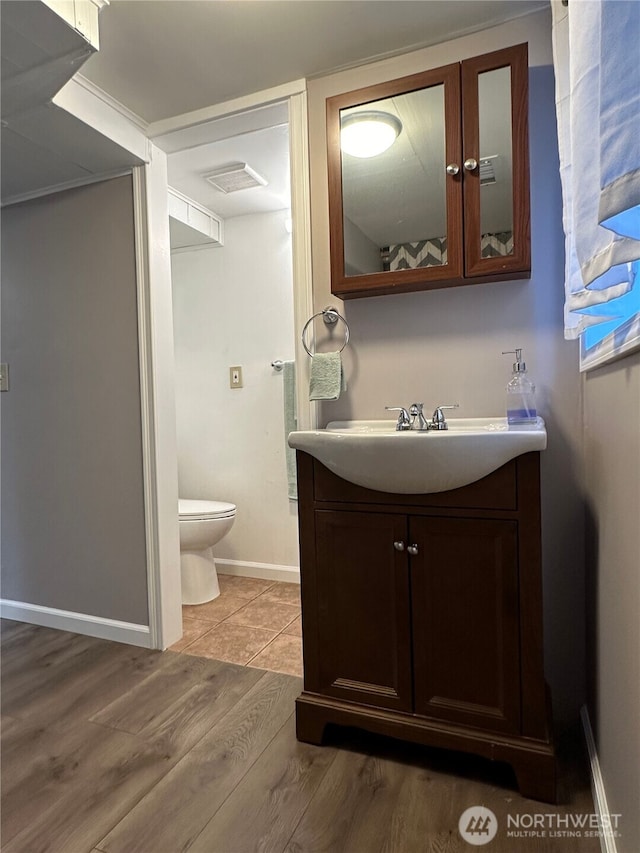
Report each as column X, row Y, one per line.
column 366, row 134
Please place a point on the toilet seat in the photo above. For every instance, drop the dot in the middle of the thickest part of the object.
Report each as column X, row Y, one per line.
column 189, row 510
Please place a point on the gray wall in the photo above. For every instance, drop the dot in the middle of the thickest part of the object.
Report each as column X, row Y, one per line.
column 73, row 528
column 444, row 346
column 612, row 464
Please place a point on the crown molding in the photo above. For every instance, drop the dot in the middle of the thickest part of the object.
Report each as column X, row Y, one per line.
column 255, row 100
column 64, row 185
column 110, row 101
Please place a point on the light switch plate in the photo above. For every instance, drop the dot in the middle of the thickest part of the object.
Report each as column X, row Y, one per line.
column 235, row 376
column 4, row 377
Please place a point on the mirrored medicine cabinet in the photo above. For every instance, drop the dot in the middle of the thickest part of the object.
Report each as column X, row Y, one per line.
column 443, row 198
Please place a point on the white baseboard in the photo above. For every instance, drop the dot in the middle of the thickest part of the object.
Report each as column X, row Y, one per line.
column 78, row 623
column 267, row 571
column 607, row 840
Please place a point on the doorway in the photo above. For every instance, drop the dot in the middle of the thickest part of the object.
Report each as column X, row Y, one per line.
column 156, row 334
column 233, row 312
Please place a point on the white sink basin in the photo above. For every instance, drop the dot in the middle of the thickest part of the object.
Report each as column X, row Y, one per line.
column 374, row 455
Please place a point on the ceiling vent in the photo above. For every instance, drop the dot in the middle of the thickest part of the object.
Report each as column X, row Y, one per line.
column 234, row 177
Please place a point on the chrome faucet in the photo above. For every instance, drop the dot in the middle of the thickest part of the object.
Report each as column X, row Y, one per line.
column 414, row 419
column 416, row 414
column 404, row 419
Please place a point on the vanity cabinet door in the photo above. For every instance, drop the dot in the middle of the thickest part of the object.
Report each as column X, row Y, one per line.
column 464, row 586
column 363, row 612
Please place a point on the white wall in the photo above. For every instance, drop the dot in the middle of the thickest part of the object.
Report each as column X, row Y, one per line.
column 612, row 463
column 444, row 346
column 363, row 254
column 234, row 306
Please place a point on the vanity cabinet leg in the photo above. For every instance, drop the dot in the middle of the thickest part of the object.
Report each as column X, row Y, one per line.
column 310, row 723
column 536, row 775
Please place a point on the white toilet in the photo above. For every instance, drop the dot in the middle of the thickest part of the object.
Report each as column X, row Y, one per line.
column 202, row 524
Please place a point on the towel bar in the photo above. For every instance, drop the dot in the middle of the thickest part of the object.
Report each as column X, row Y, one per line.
column 330, row 317
column 277, row 365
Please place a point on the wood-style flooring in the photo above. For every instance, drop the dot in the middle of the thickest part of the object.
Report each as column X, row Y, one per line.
column 112, row 748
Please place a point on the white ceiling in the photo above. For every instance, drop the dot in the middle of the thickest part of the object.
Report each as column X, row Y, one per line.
column 165, row 57
column 266, row 151
column 162, row 58
column 42, row 145
column 304, row 38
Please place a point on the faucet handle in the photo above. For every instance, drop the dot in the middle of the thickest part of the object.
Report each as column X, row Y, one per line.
column 404, row 419
column 438, row 421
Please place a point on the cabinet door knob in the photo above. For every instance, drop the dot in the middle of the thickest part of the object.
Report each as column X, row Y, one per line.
column 412, row 549
column 399, row 546
column 470, row 164
column 453, row 169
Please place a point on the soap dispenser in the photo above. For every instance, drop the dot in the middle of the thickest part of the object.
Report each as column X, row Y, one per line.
column 521, row 393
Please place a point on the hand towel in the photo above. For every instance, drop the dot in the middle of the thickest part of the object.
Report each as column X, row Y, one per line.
column 327, row 380
column 290, row 425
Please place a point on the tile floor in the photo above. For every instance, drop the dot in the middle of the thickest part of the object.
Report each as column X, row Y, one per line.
column 253, row 622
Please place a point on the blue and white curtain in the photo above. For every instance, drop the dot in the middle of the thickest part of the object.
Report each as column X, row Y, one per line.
column 596, row 46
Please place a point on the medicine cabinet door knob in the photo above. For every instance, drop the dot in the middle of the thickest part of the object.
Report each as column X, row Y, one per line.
column 399, row 546
column 412, row 549
column 470, row 164
column 453, row 169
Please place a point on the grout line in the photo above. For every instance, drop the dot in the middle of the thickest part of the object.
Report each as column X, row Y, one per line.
column 261, row 650
column 199, row 637
column 283, row 672
column 279, row 633
column 288, row 625
column 258, row 594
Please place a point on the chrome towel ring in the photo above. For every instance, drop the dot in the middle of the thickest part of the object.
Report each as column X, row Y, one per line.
column 330, row 316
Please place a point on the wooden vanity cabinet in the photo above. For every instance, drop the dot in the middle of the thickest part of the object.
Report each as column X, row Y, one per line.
column 422, row 616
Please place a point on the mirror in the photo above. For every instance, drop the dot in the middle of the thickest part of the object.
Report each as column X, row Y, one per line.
column 394, row 202
column 495, row 162
column 445, row 199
